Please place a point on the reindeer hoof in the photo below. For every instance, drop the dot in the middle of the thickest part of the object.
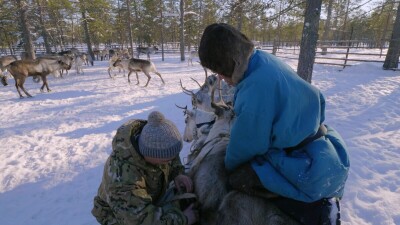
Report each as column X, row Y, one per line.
column 21, row 97
column 41, row 90
column 49, row 90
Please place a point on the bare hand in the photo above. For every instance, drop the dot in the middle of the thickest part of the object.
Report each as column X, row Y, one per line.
column 191, row 214
column 183, row 181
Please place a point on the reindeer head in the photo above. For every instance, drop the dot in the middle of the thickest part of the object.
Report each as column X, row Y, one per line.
column 4, row 80
column 201, row 99
column 66, row 62
column 117, row 62
column 197, row 123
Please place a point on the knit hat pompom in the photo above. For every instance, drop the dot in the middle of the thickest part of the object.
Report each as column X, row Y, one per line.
column 160, row 138
column 155, row 118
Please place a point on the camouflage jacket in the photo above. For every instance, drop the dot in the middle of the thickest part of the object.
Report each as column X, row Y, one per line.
column 131, row 188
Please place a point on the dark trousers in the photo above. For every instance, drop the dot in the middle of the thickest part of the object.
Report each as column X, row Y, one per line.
column 321, row 212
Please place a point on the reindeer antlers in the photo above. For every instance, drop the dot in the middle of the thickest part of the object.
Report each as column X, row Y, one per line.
column 196, row 81
column 184, row 108
column 186, row 91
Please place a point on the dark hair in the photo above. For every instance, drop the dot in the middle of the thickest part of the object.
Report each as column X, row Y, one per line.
column 220, row 45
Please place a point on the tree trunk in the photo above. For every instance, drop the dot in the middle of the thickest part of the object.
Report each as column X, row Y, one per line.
column 309, row 39
column 385, row 29
column 87, row 34
column 162, row 30
column 182, row 42
column 327, row 26
column 42, row 26
column 346, row 15
column 28, row 45
column 392, row 56
column 128, row 7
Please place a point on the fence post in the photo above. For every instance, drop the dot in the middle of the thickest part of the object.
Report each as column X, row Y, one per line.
column 348, row 47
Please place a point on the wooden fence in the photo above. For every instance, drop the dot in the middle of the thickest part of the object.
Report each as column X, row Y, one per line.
column 335, row 53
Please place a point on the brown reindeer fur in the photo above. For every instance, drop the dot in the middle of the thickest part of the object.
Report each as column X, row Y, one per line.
column 139, row 65
column 5, row 61
column 21, row 69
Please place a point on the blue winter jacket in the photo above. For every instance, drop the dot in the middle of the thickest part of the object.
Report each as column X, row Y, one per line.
column 276, row 109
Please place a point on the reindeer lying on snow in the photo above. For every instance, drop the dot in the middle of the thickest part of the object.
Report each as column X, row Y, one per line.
column 218, row 204
column 42, row 67
column 137, row 65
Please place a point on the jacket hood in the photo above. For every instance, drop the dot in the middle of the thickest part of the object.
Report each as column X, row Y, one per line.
column 241, row 64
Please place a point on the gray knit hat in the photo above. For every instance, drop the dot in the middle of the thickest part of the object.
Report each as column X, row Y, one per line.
column 160, row 138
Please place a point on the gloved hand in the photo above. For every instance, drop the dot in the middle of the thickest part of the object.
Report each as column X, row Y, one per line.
column 191, row 214
column 183, row 181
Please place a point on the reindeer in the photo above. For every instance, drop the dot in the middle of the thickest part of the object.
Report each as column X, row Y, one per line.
column 137, row 65
column 192, row 54
column 123, row 65
column 104, row 54
column 219, row 205
column 146, row 50
column 62, row 57
column 202, row 100
column 198, row 125
column 86, row 58
column 78, row 63
column 42, row 67
column 3, row 79
column 5, row 61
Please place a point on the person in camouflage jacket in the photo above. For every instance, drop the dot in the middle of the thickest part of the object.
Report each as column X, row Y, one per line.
column 144, row 160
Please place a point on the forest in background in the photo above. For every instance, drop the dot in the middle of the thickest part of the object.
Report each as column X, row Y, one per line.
column 59, row 24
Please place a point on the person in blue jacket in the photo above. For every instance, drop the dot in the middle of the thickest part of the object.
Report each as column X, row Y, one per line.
column 278, row 141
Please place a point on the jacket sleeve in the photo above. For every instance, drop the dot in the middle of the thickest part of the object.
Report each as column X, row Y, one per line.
column 130, row 202
column 176, row 168
column 251, row 132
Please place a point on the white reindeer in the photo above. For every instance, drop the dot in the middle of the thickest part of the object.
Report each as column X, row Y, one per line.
column 202, row 98
column 191, row 56
column 198, row 125
column 78, row 62
column 219, row 205
column 137, row 65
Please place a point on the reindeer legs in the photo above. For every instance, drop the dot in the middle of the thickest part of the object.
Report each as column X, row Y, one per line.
column 129, row 74
column 19, row 83
column 158, row 74
column 137, row 78
column 44, row 78
column 148, row 78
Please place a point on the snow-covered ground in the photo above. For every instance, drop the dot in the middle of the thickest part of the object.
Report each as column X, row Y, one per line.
column 53, row 146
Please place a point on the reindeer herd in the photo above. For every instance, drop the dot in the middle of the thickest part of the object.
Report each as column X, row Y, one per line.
column 208, row 126
column 63, row 61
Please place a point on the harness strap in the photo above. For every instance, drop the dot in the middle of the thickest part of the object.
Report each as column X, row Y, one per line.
column 204, row 152
column 205, row 123
column 322, row 131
